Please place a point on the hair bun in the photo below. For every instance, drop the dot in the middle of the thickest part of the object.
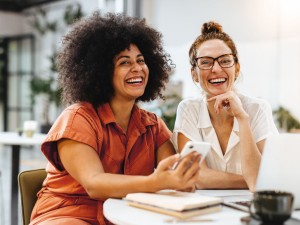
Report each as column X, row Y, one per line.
column 211, row 27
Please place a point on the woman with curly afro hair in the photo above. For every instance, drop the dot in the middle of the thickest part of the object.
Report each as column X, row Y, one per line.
column 103, row 145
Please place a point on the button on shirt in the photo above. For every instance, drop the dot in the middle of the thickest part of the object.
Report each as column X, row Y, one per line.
column 194, row 122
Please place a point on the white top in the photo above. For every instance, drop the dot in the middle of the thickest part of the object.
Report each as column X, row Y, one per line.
column 194, row 122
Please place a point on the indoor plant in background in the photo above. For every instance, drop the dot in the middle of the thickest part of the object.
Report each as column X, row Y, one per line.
column 44, row 84
column 285, row 120
column 166, row 108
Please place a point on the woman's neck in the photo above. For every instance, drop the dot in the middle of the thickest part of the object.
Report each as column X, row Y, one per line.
column 122, row 112
column 222, row 123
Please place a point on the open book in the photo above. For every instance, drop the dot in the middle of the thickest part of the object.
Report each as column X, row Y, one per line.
column 182, row 205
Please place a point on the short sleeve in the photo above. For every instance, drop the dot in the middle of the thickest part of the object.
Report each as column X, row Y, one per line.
column 263, row 124
column 163, row 134
column 75, row 124
column 186, row 122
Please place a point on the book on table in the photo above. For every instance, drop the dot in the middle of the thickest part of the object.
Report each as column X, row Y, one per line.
column 182, row 205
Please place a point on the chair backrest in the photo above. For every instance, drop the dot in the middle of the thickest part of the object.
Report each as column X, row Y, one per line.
column 30, row 182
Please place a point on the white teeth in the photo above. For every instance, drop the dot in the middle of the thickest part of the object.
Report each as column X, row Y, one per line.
column 134, row 80
column 217, row 80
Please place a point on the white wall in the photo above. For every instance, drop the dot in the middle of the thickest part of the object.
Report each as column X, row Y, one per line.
column 11, row 24
column 266, row 32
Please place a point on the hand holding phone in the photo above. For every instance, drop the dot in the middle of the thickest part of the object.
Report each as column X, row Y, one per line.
column 194, row 146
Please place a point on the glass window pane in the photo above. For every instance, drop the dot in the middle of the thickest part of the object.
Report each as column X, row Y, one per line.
column 16, row 119
column 23, row 116
column 1, row 82
column 25, row 56
column 25, row 91
column 13, row 90
column 13, row 123
column 13, row 56
column 20, row 61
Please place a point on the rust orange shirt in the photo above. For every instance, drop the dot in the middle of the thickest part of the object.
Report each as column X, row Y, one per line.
column 133, row 153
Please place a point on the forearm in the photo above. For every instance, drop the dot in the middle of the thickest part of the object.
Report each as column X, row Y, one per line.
column 106, row 185
column 101, row 185
column 250, row 154
column 213, row 179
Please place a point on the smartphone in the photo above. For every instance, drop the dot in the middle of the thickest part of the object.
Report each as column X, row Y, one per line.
column 194, row 146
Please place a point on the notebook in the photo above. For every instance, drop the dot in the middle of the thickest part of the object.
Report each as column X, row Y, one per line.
column 240, row 204
column 238, row 199
column 182, row 205
column 280, row 165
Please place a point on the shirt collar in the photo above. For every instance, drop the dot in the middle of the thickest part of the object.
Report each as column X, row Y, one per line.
column 204, row 118
column 140, row 117
column 235, row 127
column 105, row 114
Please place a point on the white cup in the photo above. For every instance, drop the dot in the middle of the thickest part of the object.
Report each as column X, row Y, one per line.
column 30, row 127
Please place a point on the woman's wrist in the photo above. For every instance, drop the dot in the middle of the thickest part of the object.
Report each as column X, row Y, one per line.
column 152, row 184
column 243, row 117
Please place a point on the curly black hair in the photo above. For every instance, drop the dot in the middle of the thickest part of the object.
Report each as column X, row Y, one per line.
column 85, row 61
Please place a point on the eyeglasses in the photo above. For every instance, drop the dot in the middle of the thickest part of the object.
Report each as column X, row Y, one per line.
column 206, row 62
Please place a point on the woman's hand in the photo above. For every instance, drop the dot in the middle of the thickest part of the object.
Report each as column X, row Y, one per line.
column 183, row 177
column 231, row 103
column 204, row 176
column 214, row 179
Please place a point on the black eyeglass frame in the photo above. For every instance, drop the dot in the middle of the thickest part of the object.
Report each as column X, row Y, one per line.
column 215, row 59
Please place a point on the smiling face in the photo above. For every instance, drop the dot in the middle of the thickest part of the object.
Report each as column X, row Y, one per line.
column 130, row 74
column 216, row 80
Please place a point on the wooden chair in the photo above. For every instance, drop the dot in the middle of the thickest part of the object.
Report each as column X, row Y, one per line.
column 30, row 182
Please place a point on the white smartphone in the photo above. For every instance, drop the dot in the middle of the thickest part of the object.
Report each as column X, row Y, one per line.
column 195, row 146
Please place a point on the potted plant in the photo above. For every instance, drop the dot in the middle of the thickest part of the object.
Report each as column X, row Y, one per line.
column 46, row 87
column 285, row 120
column 166, row 108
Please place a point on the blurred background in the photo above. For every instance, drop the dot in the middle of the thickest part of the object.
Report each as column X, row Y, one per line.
column 266, row 32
